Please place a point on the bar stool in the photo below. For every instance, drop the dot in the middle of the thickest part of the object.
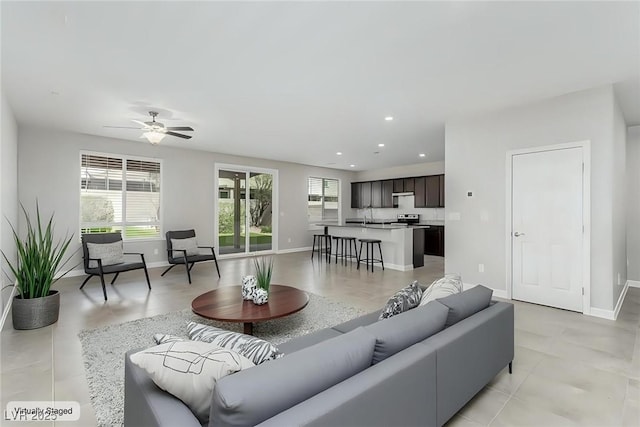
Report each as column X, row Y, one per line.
column 346, row 252
column 370, row 260
column 323, row 244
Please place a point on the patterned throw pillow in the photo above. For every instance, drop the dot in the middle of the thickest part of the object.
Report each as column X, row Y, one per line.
column 189, row 370
column 252, row 348
column 109, row 253
column 403, row 300
column 189, row 244
column 450, row 284
column 165, row 338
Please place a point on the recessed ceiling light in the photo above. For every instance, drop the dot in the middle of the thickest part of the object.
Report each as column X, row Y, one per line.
column 352, row 166
column 380, row 145
column 339, row 153
column 422, row 155
column 388, row 118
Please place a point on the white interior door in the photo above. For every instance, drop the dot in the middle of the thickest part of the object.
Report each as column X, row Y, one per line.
column 547, row 227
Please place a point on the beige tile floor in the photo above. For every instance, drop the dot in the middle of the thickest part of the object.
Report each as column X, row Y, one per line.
column 569, row 369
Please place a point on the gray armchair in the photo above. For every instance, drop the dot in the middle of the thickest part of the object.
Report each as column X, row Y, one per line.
column 98, row 267
column 181, row 255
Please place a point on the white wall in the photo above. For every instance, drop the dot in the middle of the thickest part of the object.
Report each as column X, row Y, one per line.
column 619, row 206
column 475, row 152
column 633, row 202
column 8, row 192
column 49, row 170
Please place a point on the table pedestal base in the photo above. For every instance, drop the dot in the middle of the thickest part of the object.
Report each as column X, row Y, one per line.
column 248, row 328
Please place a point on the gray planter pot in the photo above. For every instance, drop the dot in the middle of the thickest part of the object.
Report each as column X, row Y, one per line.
column 34, row 313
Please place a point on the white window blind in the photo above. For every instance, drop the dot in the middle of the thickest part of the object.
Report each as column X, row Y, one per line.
column 107, row 205
column 323, row 199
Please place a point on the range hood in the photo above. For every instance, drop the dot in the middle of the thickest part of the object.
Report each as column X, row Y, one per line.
column 406, row 193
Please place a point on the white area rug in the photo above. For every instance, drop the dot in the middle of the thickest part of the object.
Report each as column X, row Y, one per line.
column 103, row 349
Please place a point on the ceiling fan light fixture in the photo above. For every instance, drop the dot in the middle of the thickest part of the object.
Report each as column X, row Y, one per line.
column 154, row 137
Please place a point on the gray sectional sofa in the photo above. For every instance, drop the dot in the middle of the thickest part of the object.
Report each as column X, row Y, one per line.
column 407, row 370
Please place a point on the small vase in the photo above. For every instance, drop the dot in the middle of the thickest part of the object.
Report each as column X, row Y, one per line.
column 261, row 296
column 248, row 287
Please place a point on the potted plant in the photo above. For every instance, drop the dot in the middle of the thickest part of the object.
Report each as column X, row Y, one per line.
column 39, row 259
column 264, row 269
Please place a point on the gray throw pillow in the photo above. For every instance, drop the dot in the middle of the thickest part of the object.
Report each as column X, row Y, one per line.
column 189, row 244
column 251, row 347
column 108, row 253
column 403, row 300
column 466, row 303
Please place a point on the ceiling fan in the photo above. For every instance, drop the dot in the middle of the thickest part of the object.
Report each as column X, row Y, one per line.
column 156, row 131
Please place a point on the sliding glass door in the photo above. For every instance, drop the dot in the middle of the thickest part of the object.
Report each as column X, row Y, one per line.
column 244, row 206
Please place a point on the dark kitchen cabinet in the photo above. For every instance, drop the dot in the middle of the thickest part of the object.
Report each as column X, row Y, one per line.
column 441, row 191
column 365, row 194
column 355, row 195
column 420, row 200
column 398, row 185
column 432, row 191
column 418, row 247
column 434, row 240
column 409, row 184
column 387, row 191
column 376, row 194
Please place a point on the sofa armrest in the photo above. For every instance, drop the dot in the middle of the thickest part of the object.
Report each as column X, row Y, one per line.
column 147, row 405
column 470, row 354
column 399, row 391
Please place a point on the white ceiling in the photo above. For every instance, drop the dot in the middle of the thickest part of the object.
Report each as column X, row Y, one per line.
column 299, row 81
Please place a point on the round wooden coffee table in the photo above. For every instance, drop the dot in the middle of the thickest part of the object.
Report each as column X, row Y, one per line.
column 226, row 304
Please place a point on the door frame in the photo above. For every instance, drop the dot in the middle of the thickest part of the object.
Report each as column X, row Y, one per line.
column 586, row 214
column 275, row 211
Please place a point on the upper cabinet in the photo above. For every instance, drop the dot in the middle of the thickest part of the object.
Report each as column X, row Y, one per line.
column 428, row 192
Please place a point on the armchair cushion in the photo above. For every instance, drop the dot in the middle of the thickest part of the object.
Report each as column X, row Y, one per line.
column 188, row 244
column 109, row 253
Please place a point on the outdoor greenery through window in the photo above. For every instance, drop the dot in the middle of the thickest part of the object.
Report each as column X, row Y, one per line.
column 120, row 193
column 323, row 201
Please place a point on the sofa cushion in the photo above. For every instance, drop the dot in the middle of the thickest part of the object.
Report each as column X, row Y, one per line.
column 403, row 300
column 466, row 303
column 352, row 324
column 108, row 253
column 189, row 370
column 448, row 285
column 401, row 331
column 253, row 348
column 304, row 341
column 165, row 338
column 252, row 396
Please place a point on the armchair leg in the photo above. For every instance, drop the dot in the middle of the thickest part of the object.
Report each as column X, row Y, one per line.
column 186, row 267
column 86, row 280
column 191, row 266
column 511, row 367
column 115, row 277
column 104, row 288
column 215, row 259
column 146, row 274
column 167, row 270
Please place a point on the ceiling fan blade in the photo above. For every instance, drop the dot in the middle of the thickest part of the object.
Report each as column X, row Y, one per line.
column 179, row 128
column 179, row 135
column 143, row 124
column 121, row 127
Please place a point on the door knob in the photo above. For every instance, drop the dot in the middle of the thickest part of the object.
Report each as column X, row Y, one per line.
column 516, row 234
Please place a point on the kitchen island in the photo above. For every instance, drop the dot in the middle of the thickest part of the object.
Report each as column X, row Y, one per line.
column 398, row 247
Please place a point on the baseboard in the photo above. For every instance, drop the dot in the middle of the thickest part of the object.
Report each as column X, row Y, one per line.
column 611, row 314
column 396, row 266
column 292, row 250
column 634, row 283
column 500, row 293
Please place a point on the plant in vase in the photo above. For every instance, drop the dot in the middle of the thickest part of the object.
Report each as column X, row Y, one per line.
column 264, row 270
column 39, row 258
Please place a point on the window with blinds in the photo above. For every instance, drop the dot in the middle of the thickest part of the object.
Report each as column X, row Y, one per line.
column 119, row 193
column 323, row 199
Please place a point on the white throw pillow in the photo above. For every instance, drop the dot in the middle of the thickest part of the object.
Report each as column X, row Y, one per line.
column 450, row 284
column 109, row 253
column 189, row 244
column 189, row 370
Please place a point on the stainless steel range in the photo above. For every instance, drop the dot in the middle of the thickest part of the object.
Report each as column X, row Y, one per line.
column 408, row 219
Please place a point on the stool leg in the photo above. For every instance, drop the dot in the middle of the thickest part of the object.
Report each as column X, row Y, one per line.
column 368, row 257
column 359, row 256
column 381, row 260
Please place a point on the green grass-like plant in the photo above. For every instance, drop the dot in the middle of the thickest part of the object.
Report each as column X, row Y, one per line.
column 38, row 257
column 264, row 270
